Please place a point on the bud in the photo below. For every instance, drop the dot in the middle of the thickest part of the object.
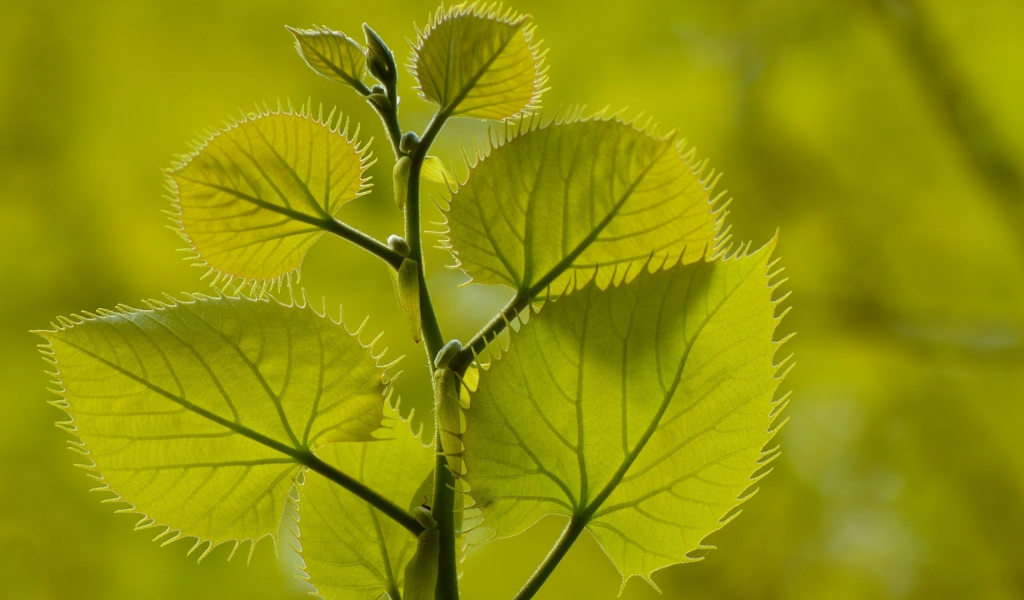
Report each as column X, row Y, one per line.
column 377, row 89
column 409, row 142
column 446, row 354
column 399, row 245
column 379, row 59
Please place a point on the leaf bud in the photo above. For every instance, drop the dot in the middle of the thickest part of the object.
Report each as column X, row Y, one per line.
column 399, row 245
column 409, row 142
column 379, row 59
column 378, row 89
column 446, row 354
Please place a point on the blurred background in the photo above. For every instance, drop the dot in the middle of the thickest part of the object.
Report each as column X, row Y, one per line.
column 884, row 139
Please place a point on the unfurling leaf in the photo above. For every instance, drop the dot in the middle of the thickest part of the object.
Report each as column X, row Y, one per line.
column 421, row 572
column 642, row 410
column 254, row 197
column 409, row 296
column 195, row 410
column 560, row 204
column 332, row 54
column 352, row 551
column 479, row 61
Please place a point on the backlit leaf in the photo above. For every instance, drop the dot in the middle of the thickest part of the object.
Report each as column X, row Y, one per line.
column 193, row 410
column 479, row 61
column 351, row 551
column 576, row 199
column 642, row 409
column 332, row 54
column 254, row 197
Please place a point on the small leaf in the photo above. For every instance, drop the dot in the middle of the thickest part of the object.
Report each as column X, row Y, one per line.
column 560, row 204
column 400, row 181
column 193, row 410
column 351, row 551
column 332, row 54
column 479, row 61
column 642, row 410
column 254, row 197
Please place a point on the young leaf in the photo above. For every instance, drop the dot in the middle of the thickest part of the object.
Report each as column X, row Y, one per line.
column 195, row 411
column 255, row 196
column 333, row 55
column 479, row 61
column 640, row 411
column 576, row 199
column 350, row 550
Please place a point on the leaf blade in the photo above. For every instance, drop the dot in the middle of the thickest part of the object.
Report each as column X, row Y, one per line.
column 639, row 410
column 192, row 410
column 332, row 54
column 560, row 204
column 255, row 196
column 479, row 61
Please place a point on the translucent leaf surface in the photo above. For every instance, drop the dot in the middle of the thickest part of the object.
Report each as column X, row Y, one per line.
column 253, row 198
column 479, row 61
column 560, row 204
column 332, row 54
column 642, row 409
column 351, row 551
column 192, row 410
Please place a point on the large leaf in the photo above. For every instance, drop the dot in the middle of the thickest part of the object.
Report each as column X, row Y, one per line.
column 194, row 410
column 560, row 204
column 254, row 197
column 479, row 61
column 351, row 551
column 642, row 410
column 332, row 54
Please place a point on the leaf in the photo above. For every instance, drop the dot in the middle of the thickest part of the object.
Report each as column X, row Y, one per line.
column 642, row 410
column 194, row 411
column 477, row 60
column 350, row 550
column 332, row 54
column 560, row 204
column 434, row 170
column 254, row 197
column 409, row 296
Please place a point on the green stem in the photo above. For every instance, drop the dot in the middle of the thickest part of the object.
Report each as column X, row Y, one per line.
column 443, row 504
column 555, row 556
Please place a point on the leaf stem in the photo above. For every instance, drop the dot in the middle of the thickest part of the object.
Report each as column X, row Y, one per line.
column 364, row 241
column 490, row 331
column 399, row 515
column 569, row 535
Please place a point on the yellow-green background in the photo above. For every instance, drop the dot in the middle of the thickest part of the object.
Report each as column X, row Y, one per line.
column 885, row 140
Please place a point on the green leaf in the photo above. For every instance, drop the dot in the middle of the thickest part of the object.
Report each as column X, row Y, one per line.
column 350, row 550
column 477, row 60
column 640, row 411
column 196, row 411
column 332, row 54
column 255, row 196
column 561, row 204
